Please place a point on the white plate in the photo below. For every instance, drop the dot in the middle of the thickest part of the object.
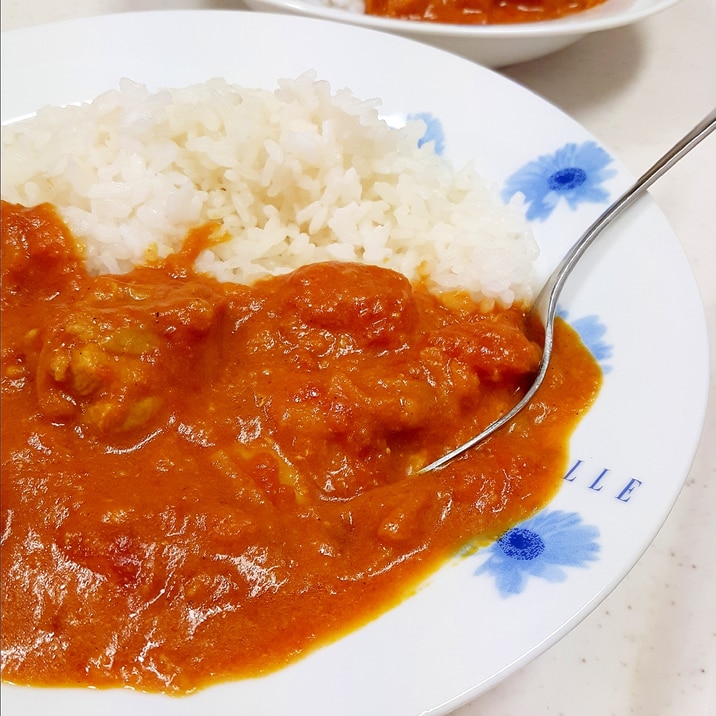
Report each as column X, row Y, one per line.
column 634, row 299
column 490, row 45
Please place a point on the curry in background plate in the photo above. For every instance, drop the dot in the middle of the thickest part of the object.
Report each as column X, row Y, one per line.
column 478, row 12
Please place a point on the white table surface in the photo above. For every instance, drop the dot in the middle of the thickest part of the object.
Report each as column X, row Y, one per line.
column 650, row 648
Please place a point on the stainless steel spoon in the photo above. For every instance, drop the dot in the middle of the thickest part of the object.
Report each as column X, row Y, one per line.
column 544, row 307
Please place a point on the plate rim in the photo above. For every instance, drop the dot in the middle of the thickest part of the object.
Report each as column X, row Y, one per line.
column 577, row 24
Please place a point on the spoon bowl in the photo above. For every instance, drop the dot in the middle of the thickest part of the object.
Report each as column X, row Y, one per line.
column 544, row 307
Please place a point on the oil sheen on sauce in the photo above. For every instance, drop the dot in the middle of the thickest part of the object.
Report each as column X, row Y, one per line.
column 204, row 481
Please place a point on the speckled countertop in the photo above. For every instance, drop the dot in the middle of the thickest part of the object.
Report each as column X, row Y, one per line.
column 650, row 648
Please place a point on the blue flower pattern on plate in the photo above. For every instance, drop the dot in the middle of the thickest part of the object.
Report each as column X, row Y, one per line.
column 540, row 547
column 592, row 331
column 574, row 173
column 433, row 130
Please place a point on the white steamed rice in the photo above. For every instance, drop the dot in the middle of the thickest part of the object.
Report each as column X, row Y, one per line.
column 295, row 176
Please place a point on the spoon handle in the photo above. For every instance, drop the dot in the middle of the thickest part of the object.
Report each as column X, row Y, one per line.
column 545, row 305
column 555, row 282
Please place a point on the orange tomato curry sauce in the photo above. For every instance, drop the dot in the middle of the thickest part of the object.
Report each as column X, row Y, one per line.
column 478, row 12
column 202, row 481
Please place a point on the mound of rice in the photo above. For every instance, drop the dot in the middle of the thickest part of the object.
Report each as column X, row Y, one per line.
column 295, row 175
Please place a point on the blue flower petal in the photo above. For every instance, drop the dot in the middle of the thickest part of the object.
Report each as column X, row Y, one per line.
column 433, row 131
column 552, row 573
column 575, row 172
column 592, row 331
column 510, row 581
column 540, row 547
